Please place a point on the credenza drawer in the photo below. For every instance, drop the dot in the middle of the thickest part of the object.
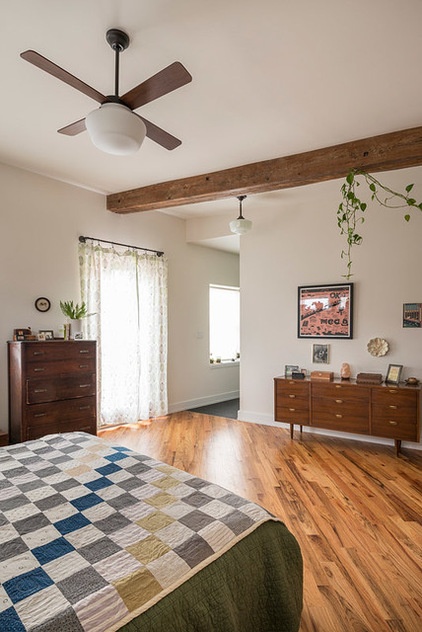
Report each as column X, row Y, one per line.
column 60, row 388
column 395, row 428
column 293, row 414
column 338, row 421
column 398, row 396
column 341, row 391
column 341, row 407
column 292, row 387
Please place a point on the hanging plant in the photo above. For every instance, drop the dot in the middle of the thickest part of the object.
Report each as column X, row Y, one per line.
column 351, row 210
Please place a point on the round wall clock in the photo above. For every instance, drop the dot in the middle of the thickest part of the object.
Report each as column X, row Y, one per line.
column 42, row 304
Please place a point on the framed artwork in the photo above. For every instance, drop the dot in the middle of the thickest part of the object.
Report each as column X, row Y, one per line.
column 393, row 373
column 325, row 311
column 412, row 315
column 320, row 354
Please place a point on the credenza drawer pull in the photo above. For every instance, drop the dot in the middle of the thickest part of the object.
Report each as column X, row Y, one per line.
column 39, row 369
column 292, row 396
column 392, row 406
column 37, row 353
column 339, row 401
column 392, row 423
column 84, row 407
column 339, row 416
column 338, row 385
column 391, row 390
column 292, row 410
column 83, row 366
column 84, row 385
column 40, row 414
column 83, row 350
column 40, row 390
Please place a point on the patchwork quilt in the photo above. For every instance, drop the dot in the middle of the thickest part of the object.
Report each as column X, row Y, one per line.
column 92, row 535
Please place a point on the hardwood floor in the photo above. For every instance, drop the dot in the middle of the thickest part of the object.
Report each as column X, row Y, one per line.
column 354, row 507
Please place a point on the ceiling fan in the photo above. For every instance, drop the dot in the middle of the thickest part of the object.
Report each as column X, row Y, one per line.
column 114, row 127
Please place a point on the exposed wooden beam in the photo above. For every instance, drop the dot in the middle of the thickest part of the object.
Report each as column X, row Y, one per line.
column 386, row 152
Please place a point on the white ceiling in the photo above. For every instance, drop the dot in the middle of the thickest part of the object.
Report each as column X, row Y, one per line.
column 270, row 78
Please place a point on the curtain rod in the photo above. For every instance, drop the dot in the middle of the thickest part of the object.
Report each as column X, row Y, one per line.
column 83, row 239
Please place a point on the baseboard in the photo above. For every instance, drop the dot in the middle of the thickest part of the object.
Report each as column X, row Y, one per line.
column 202, row 401
column 268, row 420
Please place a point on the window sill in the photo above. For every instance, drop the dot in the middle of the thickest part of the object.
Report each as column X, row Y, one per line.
column 224, row 365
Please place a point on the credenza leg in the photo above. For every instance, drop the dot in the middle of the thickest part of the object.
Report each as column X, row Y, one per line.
column 397, row 443
column 291, row 430
column 301, row 428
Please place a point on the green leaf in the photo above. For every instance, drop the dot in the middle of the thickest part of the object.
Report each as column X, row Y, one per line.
column 363, row 206
column 411, row 201
column 372, row 187
column 409, row 187
column 350, row 177
column 407, row 217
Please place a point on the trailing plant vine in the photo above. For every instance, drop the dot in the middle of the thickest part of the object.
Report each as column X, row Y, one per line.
column 351, row 210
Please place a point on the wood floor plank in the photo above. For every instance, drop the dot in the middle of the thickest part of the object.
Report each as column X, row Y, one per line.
column 354, row 507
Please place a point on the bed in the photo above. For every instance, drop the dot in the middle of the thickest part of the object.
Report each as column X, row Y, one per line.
column 98, row 538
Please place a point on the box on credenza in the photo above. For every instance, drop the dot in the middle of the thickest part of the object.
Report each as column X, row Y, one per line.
column 369, row 378
column 322, row 376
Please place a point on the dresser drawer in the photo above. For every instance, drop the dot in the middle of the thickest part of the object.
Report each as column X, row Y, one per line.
column 43, row 368
column 66, row 410
column 340, row 407
column 50, row 351
column 49, row 390
column 81, row 425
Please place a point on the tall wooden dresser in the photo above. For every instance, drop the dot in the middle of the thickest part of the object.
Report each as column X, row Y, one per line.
column 52, row 388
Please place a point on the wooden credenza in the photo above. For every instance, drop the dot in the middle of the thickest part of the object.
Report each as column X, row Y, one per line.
column 378, row 410
column 52, row 388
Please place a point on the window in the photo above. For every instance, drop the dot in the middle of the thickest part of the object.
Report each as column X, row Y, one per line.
column 224, row 303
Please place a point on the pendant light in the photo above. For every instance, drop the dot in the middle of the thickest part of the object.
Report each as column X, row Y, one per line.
column 240, row 226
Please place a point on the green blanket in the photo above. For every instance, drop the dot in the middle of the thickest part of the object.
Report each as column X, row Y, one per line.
column 254, row 587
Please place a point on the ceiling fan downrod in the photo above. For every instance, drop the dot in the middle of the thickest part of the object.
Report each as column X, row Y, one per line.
column 118, row 41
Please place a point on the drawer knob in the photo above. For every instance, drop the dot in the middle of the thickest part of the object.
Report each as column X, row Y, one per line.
column 338, row 385
column 339, row 416
column 84, row 385
column 392, row 406
column 392, row 390
column 83, row 350
column 339, row 401
column 292, row 396
column 84, row 407
column 83, row 366
column 39, row 369
column 40, row 390
column 392, row 423
column 292, row 410
column 40, row 414
column 37, row 353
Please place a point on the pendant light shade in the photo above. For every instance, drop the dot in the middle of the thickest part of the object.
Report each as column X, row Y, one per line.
column 115, row 129
column 240, row 226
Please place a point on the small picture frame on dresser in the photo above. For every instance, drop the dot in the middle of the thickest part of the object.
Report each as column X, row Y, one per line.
column 289, row 368
column 393, row 373
column 45, row 334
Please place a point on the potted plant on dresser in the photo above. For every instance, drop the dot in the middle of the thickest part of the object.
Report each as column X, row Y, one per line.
column 75, row 313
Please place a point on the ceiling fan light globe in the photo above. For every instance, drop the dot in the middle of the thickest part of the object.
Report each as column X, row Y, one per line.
column 240, row 226
column 115, row 129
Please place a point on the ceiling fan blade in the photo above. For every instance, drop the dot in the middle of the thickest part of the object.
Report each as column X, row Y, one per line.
column 74, row 128
column 159, row 135
column 48, row 66
column 169, row 79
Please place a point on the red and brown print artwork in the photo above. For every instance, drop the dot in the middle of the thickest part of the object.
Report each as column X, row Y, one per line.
column 325, row 311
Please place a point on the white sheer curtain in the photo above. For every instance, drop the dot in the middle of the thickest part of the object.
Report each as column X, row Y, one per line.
column 127, row 292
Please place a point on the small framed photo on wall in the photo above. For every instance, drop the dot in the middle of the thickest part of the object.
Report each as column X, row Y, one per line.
column 320, row 354
column 412, row 315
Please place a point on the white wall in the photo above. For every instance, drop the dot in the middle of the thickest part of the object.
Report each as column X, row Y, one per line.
column 40, row 221
column 298, row 243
